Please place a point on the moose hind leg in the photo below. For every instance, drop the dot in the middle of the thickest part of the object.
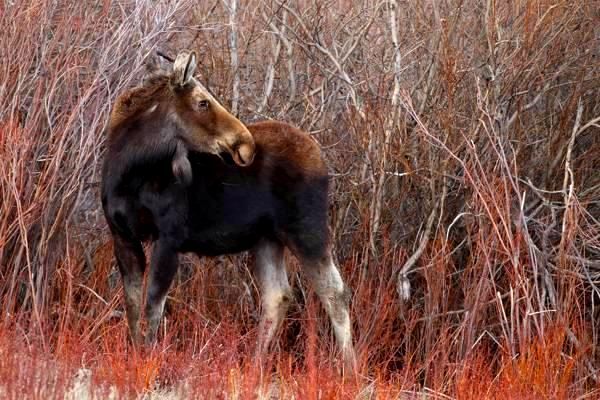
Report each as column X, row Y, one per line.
column 275, row 291
column 162, row 271
column 132, row 262
column 335, row 297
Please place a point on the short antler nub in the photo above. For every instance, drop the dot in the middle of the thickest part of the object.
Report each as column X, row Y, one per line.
column 162, row 54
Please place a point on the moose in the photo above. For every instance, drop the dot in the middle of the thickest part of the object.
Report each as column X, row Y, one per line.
column 184, row 173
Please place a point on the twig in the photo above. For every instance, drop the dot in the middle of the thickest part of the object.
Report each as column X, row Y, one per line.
column 270, row 75
column 568, row 180
column 409, row 264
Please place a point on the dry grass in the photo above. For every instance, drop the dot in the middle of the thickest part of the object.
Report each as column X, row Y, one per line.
column 464, row 152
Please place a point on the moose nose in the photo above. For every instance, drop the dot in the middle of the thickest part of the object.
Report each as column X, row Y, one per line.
column 244, row 154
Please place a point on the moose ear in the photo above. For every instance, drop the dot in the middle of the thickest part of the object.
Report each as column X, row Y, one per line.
column 183, row 68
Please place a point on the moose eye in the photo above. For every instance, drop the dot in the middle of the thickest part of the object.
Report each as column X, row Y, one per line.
column 203, row 105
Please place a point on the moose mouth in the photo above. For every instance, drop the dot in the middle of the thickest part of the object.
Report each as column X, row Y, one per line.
column 241, row 154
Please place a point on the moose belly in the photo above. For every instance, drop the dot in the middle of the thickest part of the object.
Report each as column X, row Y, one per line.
column 231, row 221
column 226, row 238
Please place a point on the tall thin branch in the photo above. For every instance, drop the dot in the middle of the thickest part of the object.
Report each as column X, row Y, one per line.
column 379, row 192
column 233, row 52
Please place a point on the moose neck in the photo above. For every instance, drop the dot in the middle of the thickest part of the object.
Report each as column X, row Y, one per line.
column 140, row 144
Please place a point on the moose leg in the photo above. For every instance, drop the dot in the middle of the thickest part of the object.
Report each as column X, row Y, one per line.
column 131, row 260
column 162, row 270
column 335, row 297
column 275, row 291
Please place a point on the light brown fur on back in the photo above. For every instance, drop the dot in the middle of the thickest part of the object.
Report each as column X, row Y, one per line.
column 287, row 142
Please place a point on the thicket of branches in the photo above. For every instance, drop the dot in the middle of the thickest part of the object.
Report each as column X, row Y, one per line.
column 464, row 149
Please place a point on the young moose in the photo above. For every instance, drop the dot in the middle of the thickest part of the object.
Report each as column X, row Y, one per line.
column 165, row 179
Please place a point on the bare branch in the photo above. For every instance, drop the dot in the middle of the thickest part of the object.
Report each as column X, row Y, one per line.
column 233, row 51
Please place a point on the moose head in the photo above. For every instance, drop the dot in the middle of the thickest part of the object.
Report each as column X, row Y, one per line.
column 204, row 124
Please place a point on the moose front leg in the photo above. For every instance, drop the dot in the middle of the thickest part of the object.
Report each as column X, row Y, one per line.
column 132, row 262
column 162, row 270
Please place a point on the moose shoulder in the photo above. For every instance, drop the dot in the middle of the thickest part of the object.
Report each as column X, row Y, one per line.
column 184, row 173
